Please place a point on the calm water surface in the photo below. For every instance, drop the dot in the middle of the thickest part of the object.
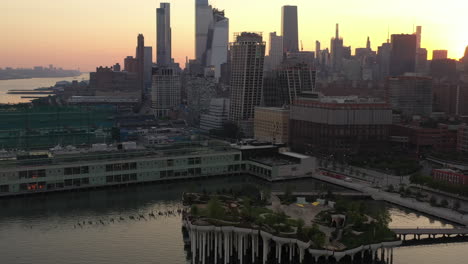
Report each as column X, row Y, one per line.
column 30, row 84
column 44, row 229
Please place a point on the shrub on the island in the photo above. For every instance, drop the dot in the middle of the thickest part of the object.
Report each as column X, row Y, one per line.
column 402, row 189
column 391, row 188
column 444, row 203
column 408, row 192
column 194, row 210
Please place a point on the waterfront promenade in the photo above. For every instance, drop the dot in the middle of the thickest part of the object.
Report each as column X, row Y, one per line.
column 393, row 198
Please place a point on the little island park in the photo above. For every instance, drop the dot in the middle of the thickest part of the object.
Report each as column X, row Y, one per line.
column 254, row 226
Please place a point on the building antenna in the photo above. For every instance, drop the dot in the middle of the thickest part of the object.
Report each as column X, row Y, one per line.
column 302, row 46
column 388, row 33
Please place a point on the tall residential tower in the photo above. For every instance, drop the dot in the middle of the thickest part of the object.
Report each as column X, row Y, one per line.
column 247, row 58
column 164, row 35
column 140, row 56
column 203, row 20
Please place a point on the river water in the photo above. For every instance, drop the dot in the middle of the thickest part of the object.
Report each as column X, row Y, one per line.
column 30, row 84
column 44, row 229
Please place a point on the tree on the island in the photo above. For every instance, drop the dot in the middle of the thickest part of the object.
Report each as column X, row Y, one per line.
column 383, row 218
column 316, row 236
column 300, row 225
column 194, row 210
column 247, row 211
column 215, row 208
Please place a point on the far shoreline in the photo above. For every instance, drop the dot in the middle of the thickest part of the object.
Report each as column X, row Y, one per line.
column 41, row 77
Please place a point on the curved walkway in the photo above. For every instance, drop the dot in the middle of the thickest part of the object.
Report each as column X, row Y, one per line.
column 378, row 194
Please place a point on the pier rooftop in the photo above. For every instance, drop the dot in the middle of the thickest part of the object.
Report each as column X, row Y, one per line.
column 104, row 152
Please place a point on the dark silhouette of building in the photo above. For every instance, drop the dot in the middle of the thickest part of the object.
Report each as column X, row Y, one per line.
column 130, row 64
column 140, row 56
column 116, row 67
column 383, row 60
column 164, row 35
column 465, row 60
column 444, row 70
column 450, row 97
column 337, row 51
column 439, row 54
column 403, row 55
column 290, row 29
column 106, row 82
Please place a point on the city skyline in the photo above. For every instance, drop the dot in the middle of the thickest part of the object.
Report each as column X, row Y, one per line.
column 95, row 40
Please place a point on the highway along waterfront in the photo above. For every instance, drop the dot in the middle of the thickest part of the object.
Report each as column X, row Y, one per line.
column 142, row 224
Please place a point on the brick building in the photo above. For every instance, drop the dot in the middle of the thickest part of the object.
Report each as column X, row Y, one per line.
column 442, row 138
column 462, row 141
column 339, row 124
column 450, row 176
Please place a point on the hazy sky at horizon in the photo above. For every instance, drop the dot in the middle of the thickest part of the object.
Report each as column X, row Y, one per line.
column 90, row 33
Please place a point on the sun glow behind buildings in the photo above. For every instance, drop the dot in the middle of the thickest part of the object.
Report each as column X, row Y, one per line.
column 87, row 33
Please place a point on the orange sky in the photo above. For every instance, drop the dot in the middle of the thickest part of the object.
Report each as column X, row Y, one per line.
column 89, row 33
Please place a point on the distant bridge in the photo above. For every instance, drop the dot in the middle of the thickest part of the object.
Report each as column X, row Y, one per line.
column 316, row 193
column 430, row 232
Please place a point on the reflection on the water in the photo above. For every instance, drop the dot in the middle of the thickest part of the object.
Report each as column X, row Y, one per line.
column 117, row 226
